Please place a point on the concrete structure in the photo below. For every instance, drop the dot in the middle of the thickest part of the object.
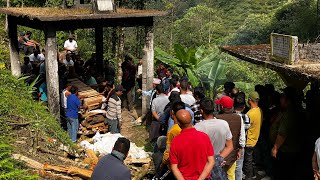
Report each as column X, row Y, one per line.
column 51, row 20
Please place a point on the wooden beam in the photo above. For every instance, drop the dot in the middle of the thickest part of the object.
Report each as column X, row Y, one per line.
column 13, row 47
column 147, row 67
column 52, row 71
column 99, row 48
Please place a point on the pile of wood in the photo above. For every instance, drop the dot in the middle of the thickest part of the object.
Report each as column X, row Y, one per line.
column 94, row 122
column 92, row 125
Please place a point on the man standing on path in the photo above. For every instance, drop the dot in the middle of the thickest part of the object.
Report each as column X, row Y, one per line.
column 238, row 133
column 255, row 115
column 113, row 114
column 191, row 152
column 220, row 135
column 111, row 166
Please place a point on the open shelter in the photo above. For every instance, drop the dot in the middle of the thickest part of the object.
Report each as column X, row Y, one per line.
column 51, row 20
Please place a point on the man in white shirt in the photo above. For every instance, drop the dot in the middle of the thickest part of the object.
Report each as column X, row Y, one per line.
column 185, row 97
column 36, row 56
column 70, row 44
column 68, row 61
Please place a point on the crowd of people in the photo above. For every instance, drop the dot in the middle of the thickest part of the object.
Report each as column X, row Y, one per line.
column 236, row 136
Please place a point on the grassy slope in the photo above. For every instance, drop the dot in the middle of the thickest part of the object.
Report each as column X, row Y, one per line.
column 17, row 106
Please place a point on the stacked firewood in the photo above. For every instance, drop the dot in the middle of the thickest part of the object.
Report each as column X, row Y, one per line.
column 92, row 125
column 93, row 118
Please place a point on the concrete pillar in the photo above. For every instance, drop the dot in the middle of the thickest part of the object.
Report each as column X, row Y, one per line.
column 99, row 48
column 52, row 78
column 13, row 47
column 147, row 67
column 120, row 53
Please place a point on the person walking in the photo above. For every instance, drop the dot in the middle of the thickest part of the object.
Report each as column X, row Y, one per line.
column 191, row 152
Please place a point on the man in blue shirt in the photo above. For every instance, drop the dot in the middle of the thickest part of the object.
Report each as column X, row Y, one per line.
column 73, row 105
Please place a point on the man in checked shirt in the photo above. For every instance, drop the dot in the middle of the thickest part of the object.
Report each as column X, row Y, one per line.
column 198, row 94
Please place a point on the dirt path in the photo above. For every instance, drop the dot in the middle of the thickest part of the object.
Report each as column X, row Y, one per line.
column 136, row 134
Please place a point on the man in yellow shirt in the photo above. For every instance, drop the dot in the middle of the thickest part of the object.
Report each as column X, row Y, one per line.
column 174, row 131
column 255, row 115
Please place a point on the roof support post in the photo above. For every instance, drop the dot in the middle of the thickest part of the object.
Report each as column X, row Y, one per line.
column 13, row 47
column 120, row 53
column 99, row 48
column 293, row 82
column 52, row 78
column 147, row 67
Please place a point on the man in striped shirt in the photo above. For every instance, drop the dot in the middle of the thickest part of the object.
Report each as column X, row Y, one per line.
column 113, row 114
column 239, row 106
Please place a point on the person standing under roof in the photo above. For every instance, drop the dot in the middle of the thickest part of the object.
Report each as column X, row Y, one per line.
column 113, row 114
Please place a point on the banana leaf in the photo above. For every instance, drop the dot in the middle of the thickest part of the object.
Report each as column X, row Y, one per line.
column 200, row 52
column 216, row 72
column 193, row 78
column 180, row 53
column 209, row 58
column 165, row 57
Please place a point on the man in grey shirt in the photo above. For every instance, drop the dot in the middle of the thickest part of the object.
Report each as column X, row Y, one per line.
column 157, row 108
column 111, row 167
column 219, row 133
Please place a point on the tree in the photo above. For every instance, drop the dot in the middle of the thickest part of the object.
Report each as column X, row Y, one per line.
column 194, row 63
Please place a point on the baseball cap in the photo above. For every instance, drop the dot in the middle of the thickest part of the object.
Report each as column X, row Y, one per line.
column 225, row 102
column 254, row 96
column 120, row 88
column 156, row 81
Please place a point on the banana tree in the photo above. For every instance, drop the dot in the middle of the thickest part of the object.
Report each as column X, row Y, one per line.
column 188, row 61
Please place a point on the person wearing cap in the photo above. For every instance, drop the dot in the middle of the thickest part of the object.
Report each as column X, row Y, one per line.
column 220, row 135
column 113, row 115
column 70, row 44
column 255, row 115
column 238, row 133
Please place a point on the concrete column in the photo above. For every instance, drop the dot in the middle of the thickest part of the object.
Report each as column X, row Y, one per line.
column 13, row 47
column 52, row 78
column 147, row 67
column 120, row 53
column 99, row 48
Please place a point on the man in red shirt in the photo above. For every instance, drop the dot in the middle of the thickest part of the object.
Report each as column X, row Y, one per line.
column 191, row 152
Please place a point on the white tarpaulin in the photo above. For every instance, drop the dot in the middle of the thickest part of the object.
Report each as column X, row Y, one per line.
column 103, row 143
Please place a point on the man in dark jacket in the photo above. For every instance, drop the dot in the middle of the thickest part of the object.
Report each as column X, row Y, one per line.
column 237, row 130
column 111, row 166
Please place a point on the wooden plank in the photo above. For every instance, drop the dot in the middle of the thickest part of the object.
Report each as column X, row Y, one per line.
column 29, row 162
